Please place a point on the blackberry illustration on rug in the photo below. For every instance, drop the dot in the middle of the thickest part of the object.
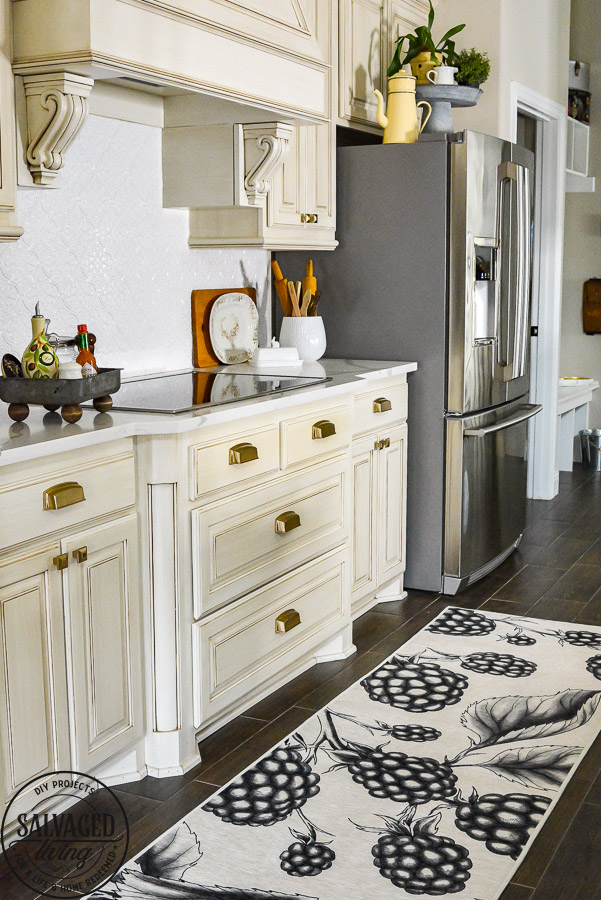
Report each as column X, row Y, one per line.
column 353, row 805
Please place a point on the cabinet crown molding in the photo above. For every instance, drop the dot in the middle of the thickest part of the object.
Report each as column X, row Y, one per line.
column 57, row 107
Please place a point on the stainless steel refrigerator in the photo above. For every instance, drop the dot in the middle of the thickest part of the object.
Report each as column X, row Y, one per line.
column 433, row 265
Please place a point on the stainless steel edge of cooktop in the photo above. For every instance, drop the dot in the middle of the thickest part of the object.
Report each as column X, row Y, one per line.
column 182, row 392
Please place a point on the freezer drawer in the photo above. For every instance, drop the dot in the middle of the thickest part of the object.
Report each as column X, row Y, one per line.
column 485, row 503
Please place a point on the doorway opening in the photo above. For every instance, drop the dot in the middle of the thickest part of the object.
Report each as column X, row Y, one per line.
column 539, row 124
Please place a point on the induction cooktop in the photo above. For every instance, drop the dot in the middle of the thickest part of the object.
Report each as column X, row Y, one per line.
column 185, row 391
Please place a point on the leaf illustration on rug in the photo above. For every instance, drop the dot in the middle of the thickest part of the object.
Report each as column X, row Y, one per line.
column 161, row 875
column 503, row 821
column 416, row 858
column 384, row 774
column 507, row 719
column 543, row 766
column 462, row 622
column 407, row 683
column 307, row 856
column 172, row 854
column 271, row 790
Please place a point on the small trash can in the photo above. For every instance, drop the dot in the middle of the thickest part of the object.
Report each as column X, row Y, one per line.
column 590, row 443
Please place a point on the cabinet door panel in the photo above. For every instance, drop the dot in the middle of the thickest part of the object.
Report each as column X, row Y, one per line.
column 286, row 197
column 361, row 27
column 402, row 17
column 105, row 635
column 364, row 570
column 34, row 726
column 321, row 174
column 392, row 467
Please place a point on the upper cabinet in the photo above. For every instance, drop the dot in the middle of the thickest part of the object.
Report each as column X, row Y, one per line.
column 274, row 54
column 368, row 30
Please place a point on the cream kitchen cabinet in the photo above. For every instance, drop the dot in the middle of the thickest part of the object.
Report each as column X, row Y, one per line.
column 34, row 712
column 70, row 614
column 379, row 480
column 367, row 37
column 301, row 203
column 104, row 652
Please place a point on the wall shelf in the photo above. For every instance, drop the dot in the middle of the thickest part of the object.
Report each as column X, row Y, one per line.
column 577, row 178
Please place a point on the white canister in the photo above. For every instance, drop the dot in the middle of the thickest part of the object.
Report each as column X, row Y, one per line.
column 69, row 369
column 306, row 333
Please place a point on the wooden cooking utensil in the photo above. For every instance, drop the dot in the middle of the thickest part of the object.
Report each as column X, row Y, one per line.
column 293, row 299
column 298, row 289
column 202, row 302
column 305, row 303
column 281, row 286
column 309, row 281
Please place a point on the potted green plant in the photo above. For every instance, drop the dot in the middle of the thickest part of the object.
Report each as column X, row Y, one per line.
column 422, row 52
column 473, row 67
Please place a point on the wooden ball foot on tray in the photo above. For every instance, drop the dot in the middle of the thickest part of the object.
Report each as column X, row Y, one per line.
column 51, row 407
column 18, row 411
column 71, row 413
column 103, row 404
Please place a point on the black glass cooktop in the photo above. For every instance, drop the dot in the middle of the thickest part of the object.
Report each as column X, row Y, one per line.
column 195, row 390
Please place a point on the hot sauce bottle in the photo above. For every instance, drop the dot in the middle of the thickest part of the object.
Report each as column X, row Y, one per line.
column 85, row 357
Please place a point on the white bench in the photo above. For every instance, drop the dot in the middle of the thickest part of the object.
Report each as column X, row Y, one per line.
column 572, row 416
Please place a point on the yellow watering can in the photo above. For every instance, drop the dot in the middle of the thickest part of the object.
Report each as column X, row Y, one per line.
column 400, row 125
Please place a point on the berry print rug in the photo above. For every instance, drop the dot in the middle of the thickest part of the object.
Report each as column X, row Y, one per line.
column 428, row 777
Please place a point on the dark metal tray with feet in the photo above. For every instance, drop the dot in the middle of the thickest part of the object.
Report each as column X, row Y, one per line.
column 63, row 393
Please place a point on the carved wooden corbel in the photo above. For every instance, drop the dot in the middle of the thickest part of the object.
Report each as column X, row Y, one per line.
column 57, row 106
column 266, row 146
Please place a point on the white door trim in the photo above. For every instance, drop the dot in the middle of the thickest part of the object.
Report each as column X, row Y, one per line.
column 543, row 477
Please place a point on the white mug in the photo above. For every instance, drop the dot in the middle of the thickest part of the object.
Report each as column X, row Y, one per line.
column 442, row 75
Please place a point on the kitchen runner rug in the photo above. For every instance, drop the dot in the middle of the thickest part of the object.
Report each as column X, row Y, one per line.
column 428, row 777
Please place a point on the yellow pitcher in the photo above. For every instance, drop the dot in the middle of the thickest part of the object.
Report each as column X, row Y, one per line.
column 400, row 125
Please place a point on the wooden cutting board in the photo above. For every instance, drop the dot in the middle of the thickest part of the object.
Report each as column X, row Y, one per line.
column 202, row 302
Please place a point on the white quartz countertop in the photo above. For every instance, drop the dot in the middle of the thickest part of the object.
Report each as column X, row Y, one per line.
column 43, row 432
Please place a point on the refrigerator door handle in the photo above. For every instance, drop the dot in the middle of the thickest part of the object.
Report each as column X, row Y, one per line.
column 513, row 328
column 526, row 411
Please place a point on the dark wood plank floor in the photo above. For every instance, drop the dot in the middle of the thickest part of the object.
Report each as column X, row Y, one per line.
column 555, row 574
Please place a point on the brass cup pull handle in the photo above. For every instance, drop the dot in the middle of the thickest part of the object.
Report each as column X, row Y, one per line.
column 323, row 429
column 243, row 453
column 65, row 494
column 287, row 521
column 287, row 620
column 61, row 562
column 81, row 554
column 381, row 404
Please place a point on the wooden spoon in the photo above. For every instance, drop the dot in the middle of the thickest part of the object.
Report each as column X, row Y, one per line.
column 293, row 299
column 306, row 302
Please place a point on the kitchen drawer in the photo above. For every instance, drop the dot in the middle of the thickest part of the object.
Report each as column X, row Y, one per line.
column 105, row 479
column 314, row 434
column 251, row 538
column 220, row 462
column 371, row 412
column 238, row 649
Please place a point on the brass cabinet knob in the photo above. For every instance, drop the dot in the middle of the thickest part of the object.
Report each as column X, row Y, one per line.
column 287, row 620
column 323, row 429
column 304, row 218
column 243, row 453
column 378, row 445
column 313, row 219
column 381, row 404
column 287, row 521
column 61, row 562
column 385, row 442
column 81, row 554
column 65, row 494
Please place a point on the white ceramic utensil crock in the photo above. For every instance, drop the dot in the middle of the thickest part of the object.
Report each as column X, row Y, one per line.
column 306, row 333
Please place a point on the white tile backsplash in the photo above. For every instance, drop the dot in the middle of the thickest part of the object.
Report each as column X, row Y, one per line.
column 102, row 250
